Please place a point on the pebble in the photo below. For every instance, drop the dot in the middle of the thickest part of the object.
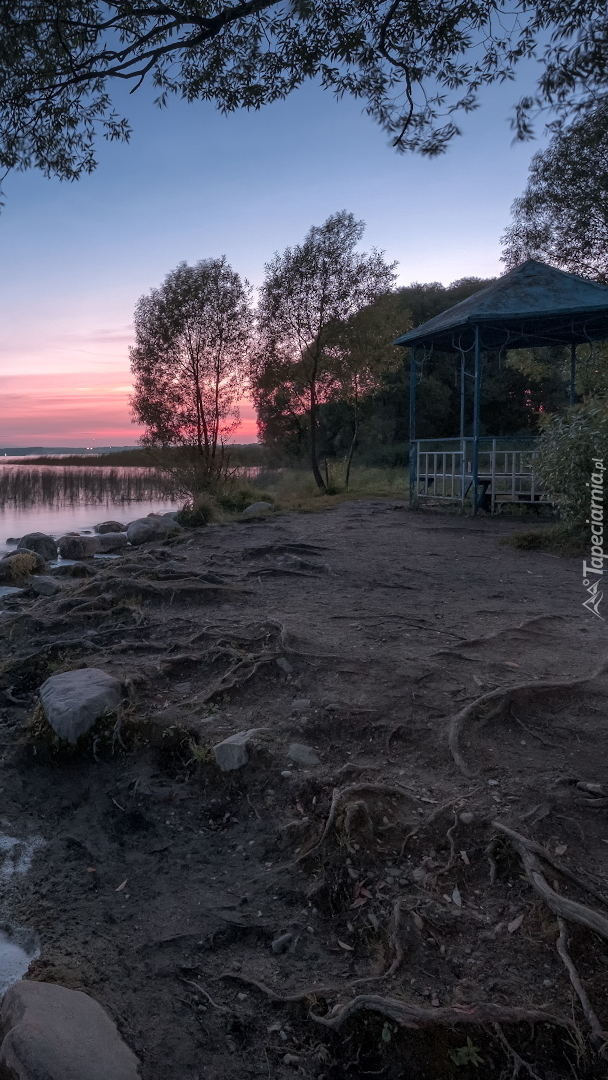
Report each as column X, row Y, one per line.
column 280, row 943
column 302, row 754
column 301, row 705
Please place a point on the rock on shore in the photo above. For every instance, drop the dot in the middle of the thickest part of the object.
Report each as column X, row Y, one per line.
column 153, row 527
column 74, row 700
column 40, row 542
column 74, row 546
column 53, row 1033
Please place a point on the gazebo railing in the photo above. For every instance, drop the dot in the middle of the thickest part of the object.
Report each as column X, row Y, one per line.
column 443, row 471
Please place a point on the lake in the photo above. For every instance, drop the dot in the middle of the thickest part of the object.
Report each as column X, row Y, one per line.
column 56, row 499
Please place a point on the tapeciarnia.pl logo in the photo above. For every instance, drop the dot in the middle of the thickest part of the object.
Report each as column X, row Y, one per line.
column 593, row 572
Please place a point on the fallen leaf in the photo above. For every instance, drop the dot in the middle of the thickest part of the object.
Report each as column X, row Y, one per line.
column 91, row 870
column 465, row 858
column 515, row 924
column 343, row 945
column 359, row 901
column 456, row 897
column 560, row 849
column 300, row 807
column 122, row 885
column 418, row 921
column 511, row 663
column 477, row 680
column 366, row 892
column 435, row 1001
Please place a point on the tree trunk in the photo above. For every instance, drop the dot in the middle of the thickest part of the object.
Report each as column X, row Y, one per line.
column 353, row 444
column 316, row 472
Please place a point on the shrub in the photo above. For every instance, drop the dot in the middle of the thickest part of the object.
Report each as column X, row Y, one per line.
column 568, row 444
column 235, row 499
column 201, row 512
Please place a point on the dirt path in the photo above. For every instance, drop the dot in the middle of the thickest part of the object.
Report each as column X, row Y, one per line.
column 358, row 632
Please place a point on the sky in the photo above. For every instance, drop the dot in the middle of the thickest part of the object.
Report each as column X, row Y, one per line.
column 193, row 184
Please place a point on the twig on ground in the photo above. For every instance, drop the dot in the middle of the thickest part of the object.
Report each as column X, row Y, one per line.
column 394, row 940
column 299, row 995
column 505, row 696
column 449, row 864
column 588, row 1010
column 200, row 990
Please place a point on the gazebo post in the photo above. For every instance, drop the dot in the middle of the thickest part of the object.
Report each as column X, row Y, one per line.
column 573, row 373
column 413, row 426
column 462, row 395
column 476, row 402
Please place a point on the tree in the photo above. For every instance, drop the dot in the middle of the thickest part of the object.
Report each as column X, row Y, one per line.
column 308, row 294
column 189, row 361
column 562, row 216
column 415, row 66
column 363, row 353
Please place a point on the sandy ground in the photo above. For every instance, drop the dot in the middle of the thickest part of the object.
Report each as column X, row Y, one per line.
column 164, row 884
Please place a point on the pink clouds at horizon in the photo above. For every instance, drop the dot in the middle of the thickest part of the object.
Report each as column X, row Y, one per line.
column 79, row 408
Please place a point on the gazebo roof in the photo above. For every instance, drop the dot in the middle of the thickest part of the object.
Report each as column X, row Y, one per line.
column 534, row 304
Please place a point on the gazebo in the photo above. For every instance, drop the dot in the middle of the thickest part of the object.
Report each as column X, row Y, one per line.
column 532, row 305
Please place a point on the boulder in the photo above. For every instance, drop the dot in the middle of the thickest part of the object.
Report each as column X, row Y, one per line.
column 45, row 586
column 232, row 752
column 76, row 570
column 18, row 566
column 256, row 509
column 40, row 542
column 153, row 527
column 74, row 700
column 74, row 546
column 302, row 754
column 112, row 541
column 52, row 1033
column 109, row 527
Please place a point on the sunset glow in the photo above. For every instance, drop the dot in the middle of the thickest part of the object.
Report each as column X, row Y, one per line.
column 193, row 184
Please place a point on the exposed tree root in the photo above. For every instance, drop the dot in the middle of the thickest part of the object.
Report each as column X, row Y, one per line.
column 236, row 675
column 502, row 698
column 518, row 1061
column 417, row 1017
column 538, row 849
column 579, row 989
column 339, row 795
column 299, row 995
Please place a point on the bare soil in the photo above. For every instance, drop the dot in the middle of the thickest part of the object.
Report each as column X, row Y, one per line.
column 422, row 944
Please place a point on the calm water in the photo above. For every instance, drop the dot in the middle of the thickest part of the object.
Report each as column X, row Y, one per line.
column 59, row 499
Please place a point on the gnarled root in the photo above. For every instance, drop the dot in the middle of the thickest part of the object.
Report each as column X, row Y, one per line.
column 339, row 795
column 417, row 1017
column 502, row 698
column 588, row 1010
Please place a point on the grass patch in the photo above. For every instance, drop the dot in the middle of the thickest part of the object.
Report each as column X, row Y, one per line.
column 117, row 730
column 296, row 490
column 562, row 539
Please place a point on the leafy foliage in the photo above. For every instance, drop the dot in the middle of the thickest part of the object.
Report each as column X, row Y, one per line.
column 515, row 391
column 189, row 367
column 467, row 1055
column 569, row 441
column 415, row 66
column 309, row 293
column 562, row 217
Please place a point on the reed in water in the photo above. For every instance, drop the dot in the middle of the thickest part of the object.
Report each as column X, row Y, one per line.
column 26, row 486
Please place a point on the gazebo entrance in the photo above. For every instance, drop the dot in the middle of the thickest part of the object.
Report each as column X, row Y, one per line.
column 533, row 305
